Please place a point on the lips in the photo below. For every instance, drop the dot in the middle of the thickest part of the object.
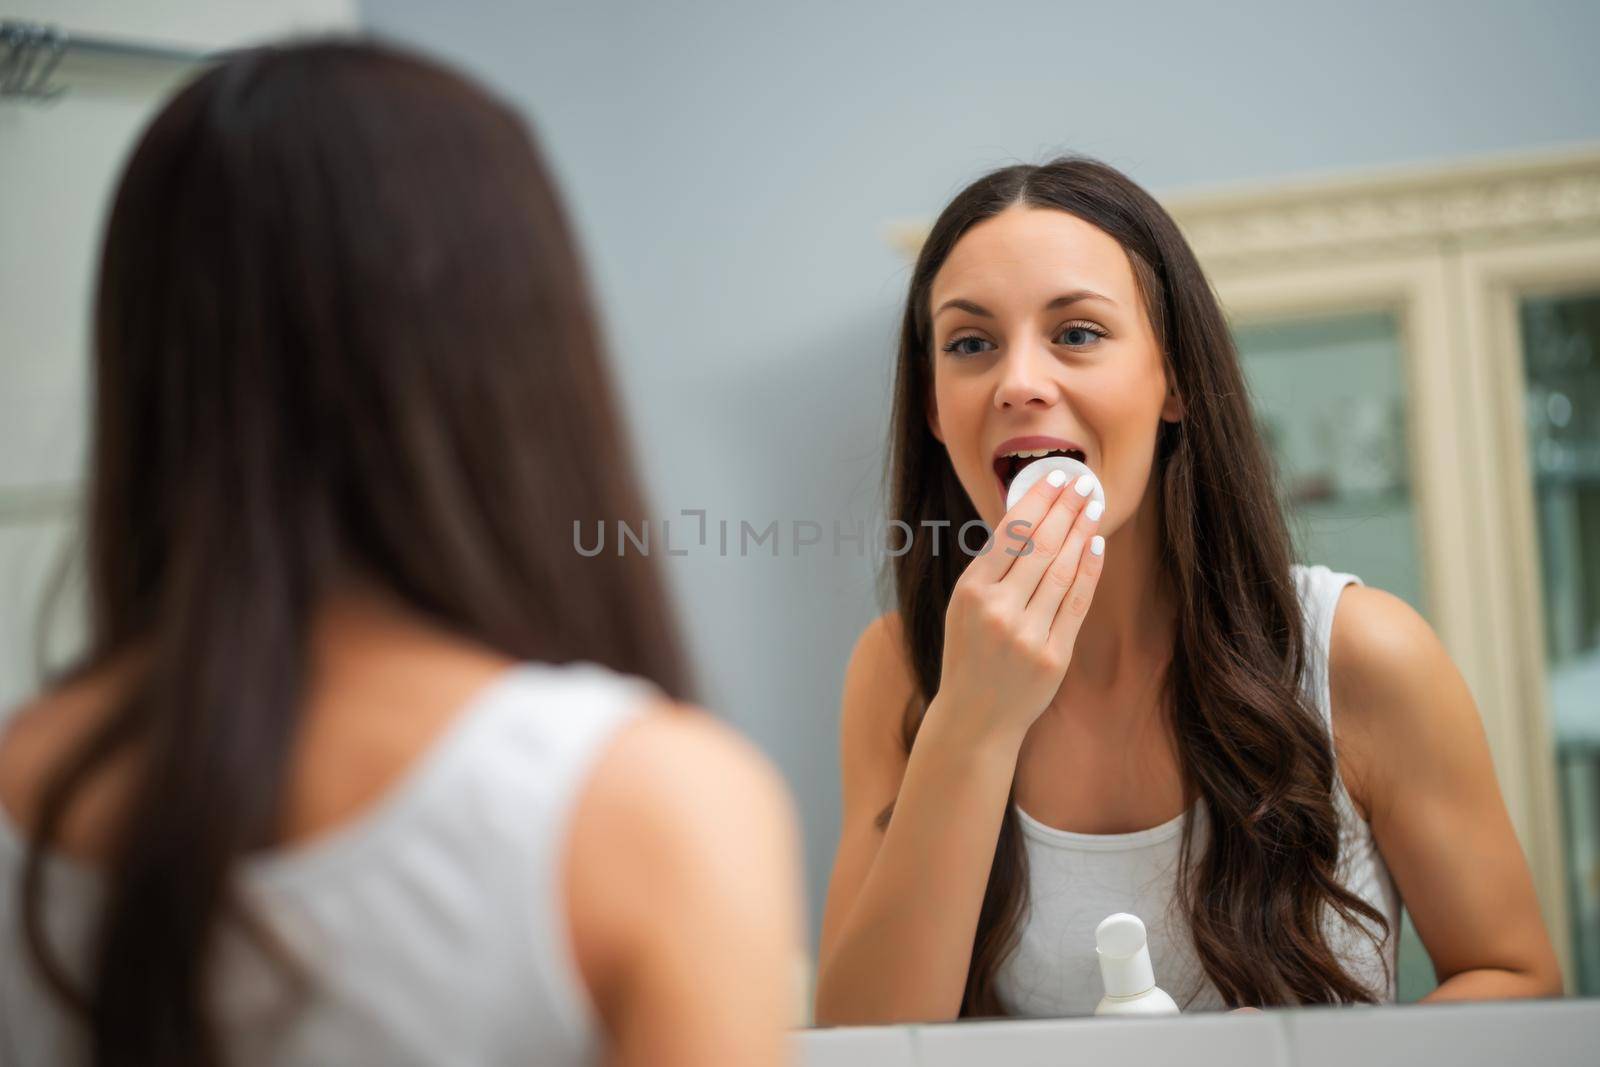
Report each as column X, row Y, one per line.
column 1007, row 462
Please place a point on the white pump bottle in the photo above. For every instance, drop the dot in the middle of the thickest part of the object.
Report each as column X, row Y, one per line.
column 1125, row 969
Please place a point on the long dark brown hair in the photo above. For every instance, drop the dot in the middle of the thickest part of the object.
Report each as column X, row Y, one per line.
column 1249, row 743
column 342, row 335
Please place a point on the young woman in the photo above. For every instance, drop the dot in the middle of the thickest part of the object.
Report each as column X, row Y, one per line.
column 365, row 763
column 1149, row 709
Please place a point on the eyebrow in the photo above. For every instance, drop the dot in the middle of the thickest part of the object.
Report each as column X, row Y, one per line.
column 1060, row 301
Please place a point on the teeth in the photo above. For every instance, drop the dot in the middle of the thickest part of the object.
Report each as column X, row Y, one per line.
column 1035, row 454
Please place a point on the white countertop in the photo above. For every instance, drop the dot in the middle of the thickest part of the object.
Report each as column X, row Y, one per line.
column 1537, row 1033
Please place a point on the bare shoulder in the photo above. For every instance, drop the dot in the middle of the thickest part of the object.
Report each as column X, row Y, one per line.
column 677, row 769
column 878, row 682
column 1395, row 692
column 684, row 834
column 36, row 735
column 1380, row 648
column 683, row 804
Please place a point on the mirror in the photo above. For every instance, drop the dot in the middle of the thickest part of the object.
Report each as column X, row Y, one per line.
column 1380, row 456
column 1413, row 351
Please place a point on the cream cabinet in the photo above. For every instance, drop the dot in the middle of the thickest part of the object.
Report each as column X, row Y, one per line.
column 1423, row 349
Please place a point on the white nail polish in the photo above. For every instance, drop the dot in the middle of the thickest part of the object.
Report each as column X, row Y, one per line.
column 1085, row 484
column 1097, row 545
column 1095, row 510
column 1056, row 479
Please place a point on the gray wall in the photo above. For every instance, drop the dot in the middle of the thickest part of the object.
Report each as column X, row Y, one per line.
column 732, row 166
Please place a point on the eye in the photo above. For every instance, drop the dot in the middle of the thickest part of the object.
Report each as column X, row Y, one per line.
column 1080, row 334
column 955, row 346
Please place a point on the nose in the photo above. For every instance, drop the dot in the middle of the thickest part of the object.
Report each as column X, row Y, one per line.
column 1025, row 379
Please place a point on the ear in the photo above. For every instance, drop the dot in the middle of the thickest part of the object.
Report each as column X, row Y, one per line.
column 1172, row 406
column 932, row 411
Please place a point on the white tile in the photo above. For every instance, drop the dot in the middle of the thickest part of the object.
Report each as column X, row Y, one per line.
column 854, row 1046
column 1202, row 1040
column 1549, row 1033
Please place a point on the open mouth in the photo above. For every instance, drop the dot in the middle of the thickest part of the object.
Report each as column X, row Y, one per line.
column 1006, row 467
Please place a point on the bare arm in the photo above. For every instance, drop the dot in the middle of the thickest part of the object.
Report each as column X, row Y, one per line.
column 900, row 953
column 683, row 890
column 1409, row 725
column 903, row 904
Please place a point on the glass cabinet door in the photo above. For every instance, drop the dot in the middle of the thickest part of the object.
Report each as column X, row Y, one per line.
column 1561, row 360
column 1330, row 398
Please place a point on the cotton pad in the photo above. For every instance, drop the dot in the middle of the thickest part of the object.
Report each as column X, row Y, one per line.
column 1043, row 466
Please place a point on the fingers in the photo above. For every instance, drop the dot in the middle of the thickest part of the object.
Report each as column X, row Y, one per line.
column 1048, row 540
column 1063, row 568
column 1074, row 606
column 1007, row 541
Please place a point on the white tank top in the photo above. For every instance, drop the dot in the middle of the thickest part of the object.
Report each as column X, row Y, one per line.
column 433, row 926
column 1075, row 880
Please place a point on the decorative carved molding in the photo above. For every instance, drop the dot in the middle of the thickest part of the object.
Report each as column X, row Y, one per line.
column 1473, row 204
column 1373, row 214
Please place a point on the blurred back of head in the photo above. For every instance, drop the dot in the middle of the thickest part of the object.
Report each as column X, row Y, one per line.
column 343, row 331
column 343, row 338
